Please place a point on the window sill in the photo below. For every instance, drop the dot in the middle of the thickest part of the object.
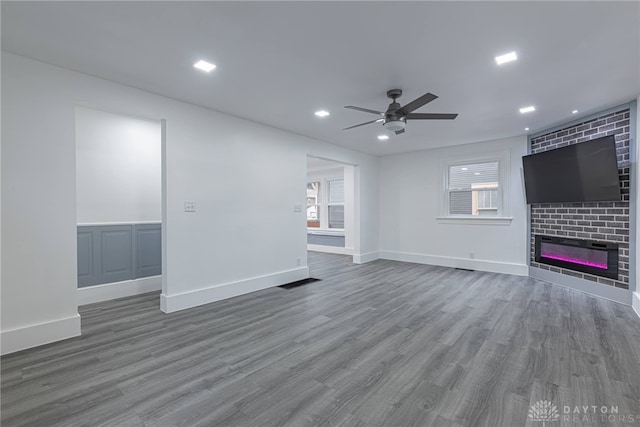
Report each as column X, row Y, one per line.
column 495, row 220
column 323, row 232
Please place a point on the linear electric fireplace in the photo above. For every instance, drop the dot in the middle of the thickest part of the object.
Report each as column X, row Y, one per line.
column 587, row 256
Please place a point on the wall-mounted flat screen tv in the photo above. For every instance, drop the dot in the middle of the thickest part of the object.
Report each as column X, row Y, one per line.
column 583, row 172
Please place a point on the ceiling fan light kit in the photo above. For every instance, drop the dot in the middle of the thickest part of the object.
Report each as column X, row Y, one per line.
column 396, row 116
column 395, row 125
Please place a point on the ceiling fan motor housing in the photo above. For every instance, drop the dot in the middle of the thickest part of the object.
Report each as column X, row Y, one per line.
column 394, row 123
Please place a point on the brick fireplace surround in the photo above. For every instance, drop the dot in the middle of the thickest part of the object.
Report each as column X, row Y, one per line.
column 601, row 221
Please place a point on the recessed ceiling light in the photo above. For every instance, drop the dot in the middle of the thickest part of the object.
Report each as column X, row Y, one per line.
column 465, row 169
column 526, row 128
column 527, row 109
column 507, row 57
column 477, row 173
column 322, row 113
column 574, row 112
column 204, row 66
column 383, row 137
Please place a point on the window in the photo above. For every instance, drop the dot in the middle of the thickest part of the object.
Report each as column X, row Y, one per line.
column 335, row 205
column 325, row 204
column 474, row 189
column 313, row 204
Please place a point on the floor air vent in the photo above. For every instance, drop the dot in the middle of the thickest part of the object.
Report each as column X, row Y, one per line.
column 299, row 283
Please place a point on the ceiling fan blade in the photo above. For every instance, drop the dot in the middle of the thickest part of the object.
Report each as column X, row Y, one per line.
column 430, row 116
column 398, row 132
column 366, row 110
column 362, row 124
column 417, row 103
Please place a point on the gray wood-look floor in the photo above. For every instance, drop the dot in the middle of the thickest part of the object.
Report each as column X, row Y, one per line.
column 380, row 344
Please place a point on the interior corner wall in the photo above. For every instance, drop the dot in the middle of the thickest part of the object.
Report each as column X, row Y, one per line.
column 349, row 208
column 118, row 168
column 245, row 179
column 38, row 303
column 1, row 137
column 636, row 144
column 411, row 190
column 635, row 135
column 366, row 229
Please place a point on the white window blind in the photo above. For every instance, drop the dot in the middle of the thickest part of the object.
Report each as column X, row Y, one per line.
column 336, row 191
column 335, row 205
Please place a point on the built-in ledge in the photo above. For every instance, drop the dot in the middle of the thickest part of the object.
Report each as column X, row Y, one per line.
column 623, row 296
column 319, row 232
column 326, row 238
column 485, row 220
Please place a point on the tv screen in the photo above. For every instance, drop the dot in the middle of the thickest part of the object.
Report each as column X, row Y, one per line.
column 584, row 172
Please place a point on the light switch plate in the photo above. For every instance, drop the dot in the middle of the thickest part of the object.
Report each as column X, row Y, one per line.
column 189, row 206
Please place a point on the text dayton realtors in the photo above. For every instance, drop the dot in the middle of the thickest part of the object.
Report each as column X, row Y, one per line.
column 595, row 413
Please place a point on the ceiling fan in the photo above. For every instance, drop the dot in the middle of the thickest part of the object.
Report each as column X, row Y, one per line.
column 395, row 118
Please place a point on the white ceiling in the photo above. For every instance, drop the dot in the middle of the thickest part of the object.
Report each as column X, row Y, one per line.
column 278, row 62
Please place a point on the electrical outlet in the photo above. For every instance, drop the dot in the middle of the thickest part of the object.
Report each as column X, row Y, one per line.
column 298, row 261
column 297, row 207
column 189, row 206
column 472, row 255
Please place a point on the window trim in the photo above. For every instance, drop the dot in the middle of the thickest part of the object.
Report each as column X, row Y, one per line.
column 317, row 204
column 503, row 158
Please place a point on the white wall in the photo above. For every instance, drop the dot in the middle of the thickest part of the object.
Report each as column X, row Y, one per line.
column 411, row 189
column 38, row 298
column 244, row 177
column 118, row 168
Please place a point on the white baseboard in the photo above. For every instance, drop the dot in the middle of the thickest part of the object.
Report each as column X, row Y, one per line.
column 366, row 257
column 29, row 336
column 330, row 249
column 470, row 264
column 176, row 302
column 623, row 296
column 636, row 303
column 127, row 288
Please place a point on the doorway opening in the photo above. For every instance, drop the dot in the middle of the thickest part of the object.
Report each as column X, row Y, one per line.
column 330, row 208
column 119, row 202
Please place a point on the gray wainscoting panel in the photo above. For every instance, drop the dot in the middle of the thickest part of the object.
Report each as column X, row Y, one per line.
column 116, row 255
column 113, row 253
column 325, row 240
column 86, row 264
column 148, row 255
